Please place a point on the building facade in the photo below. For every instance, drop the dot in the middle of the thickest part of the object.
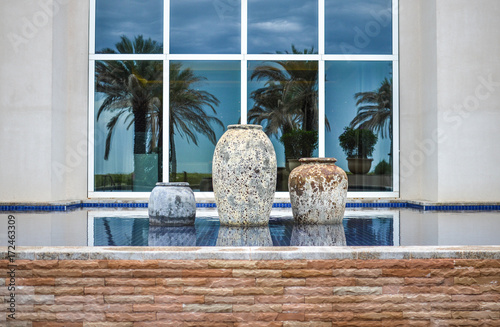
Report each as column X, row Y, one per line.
column 59, row 99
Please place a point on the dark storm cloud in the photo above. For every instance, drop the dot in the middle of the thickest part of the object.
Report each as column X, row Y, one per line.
column 276, row 25
column 358, row 26
column 115, row 18
column 205, row 26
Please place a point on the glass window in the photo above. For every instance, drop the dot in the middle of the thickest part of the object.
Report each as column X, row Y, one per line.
column 276, row 26
column 279, row 90
column 358, row 26
column 116, row 19
column 128, row 125
column 283, row 98
column 358, row 106
column 205, row 26
column 204, row 99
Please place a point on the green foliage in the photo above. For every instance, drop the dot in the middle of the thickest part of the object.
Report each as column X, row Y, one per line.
column 383, row 168
column 109, row 182
column 299, row 143
column 358, row 143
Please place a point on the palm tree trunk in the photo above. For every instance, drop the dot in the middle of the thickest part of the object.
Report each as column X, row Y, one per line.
column 173, row 155
column 140, row 132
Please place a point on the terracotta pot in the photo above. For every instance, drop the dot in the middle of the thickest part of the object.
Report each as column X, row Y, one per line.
column 318, row 191
column 172, row 204
column 244, row 176
column 359, row 165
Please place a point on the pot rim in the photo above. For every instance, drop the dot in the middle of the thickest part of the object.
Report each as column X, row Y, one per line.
column 318, row 160
column 182, row 184
column 244, row 126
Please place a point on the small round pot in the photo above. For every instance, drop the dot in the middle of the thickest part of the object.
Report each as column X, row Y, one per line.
column 359, row 165
column 318, row 191
column 172, row 204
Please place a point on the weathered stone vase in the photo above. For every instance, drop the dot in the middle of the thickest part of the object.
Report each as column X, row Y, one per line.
column 244, row 176
column 318, row 191
column 171, row 204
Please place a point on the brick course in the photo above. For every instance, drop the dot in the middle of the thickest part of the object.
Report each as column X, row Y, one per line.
column 281, row 293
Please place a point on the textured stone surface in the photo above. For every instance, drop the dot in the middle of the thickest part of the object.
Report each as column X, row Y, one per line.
column 318, row 191
column 244, row 176
column 172, row 204
column 352, row 292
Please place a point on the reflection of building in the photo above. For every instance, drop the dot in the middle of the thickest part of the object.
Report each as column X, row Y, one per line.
column 445, row 74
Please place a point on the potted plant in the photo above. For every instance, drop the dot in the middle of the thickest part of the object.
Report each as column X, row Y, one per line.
column 298, row 144
column 358, row 144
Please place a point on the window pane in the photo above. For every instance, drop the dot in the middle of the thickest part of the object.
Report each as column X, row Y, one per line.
column 116, row 19
column 205, row 26
column 359, row 95
column 274, row 26
column 358, row 26
column 204, row 99
column 283, row 98
column 128, row 125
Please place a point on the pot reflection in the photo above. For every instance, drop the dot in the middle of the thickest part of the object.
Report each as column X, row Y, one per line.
column 244, row 236
column 172, row 236
column 318, row 235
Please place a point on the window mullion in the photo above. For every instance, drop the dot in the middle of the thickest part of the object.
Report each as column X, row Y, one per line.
column 244, row 65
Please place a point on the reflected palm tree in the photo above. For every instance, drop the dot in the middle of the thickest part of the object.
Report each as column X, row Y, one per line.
column 133, row 91
column 187, row 110
column 375, row 112
column 289, row 98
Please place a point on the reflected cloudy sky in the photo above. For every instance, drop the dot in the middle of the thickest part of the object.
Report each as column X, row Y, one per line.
column 205, row 26
column 358, row 26
column 276, row 25
column 214, row 26
column 115, row 18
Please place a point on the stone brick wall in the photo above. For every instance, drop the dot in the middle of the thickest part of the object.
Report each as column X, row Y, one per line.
column 144, row 293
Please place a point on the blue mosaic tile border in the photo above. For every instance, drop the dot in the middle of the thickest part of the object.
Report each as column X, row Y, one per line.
column 114, row 205
column 424, row 207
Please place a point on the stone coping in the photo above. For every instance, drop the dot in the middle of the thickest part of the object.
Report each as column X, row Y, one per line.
column 255, row 253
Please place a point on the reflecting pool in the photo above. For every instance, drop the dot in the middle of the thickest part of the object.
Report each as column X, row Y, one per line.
column 361, row 227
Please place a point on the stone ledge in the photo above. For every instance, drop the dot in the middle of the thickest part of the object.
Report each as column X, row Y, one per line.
column 255, row 253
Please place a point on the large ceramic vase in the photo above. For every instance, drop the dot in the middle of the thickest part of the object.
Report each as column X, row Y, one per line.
column 318, row 191
column 244, row 176
column 171, row 204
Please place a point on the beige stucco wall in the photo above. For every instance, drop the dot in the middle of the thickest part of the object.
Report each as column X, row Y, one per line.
column 449, row 100
column 43, row 100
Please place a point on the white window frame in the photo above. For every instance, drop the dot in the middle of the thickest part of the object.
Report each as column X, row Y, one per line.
column 244, row 57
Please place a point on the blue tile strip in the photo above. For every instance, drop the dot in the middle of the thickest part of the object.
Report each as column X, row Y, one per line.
column 410, row 205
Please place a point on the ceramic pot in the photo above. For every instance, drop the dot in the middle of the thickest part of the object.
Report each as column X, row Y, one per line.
column 359, row 165
column 318, row 191
column 244, row 176
column 171, row 204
